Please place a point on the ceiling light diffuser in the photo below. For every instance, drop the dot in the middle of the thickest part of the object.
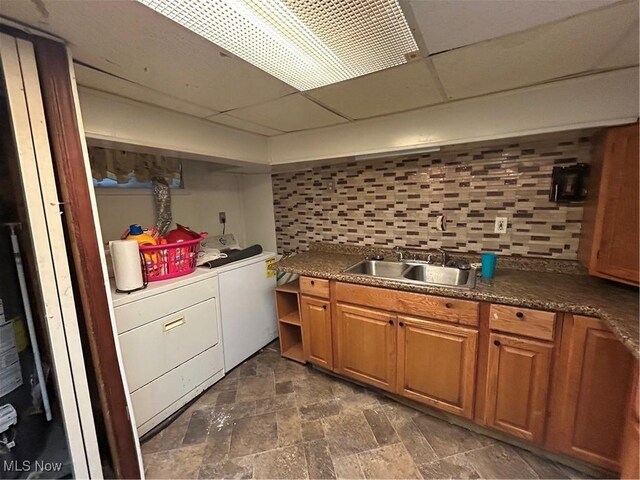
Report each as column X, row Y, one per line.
column 305, row 43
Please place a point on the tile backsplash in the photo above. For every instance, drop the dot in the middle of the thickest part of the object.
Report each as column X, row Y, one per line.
column 396, row 201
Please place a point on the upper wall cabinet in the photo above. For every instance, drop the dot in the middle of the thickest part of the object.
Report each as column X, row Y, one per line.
column 610, row 229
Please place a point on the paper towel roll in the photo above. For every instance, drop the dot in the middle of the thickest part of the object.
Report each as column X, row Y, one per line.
column 126, row 264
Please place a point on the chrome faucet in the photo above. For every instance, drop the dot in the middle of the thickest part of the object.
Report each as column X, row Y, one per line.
column 445, row 254
column 400, row 252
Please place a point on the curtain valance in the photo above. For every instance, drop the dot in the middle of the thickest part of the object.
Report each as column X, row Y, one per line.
column 121, row 166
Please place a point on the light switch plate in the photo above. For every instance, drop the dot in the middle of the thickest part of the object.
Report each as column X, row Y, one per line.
column 501, row 225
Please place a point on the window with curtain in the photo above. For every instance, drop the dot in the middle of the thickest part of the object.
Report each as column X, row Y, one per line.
column 112, row 168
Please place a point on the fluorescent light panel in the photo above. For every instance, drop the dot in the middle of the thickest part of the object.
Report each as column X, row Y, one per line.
column 307, row 44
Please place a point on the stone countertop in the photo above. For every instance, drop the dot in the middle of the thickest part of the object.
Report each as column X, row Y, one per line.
column 616, row 305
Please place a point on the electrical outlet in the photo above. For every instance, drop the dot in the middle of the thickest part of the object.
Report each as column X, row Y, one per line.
column 223, row 217
column 501, row 225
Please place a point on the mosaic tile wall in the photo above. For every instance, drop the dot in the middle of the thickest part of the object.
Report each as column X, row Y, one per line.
column 389, row 202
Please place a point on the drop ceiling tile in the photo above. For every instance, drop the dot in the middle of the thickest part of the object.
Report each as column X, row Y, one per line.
column 449, row 24
column 289, row 114
column 131, row 41
column 228, row 120
column 88, row 77
column 396, row 89
column 625, row 52
column 573, row 46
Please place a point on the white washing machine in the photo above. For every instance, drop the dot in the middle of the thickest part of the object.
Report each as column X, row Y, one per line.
column 247, row 303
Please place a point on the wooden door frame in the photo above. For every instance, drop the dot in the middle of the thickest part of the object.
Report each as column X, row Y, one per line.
column 69, row 162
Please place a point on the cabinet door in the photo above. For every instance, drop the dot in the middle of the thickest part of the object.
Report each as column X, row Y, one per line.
column 593, row 386
column 629, row 467
column 366, row 342
column 316, row 331
column 629, row 461
column 437, row 364
column 618, row 250
column 517, row 385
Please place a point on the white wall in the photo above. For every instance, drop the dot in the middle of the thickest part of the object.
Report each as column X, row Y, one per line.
column 207, row 192
column 604, row 99
column 260, row 224
column 117, row 119
column 246, row 199
column 595, row 100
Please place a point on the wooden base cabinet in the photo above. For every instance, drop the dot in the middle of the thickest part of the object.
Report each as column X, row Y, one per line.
column 631, row 451
column 316, row 331
column 560, row 381
column 592, row 386
column 366, row 342
column 517, row 384
column 630, row 458
column 437, row 364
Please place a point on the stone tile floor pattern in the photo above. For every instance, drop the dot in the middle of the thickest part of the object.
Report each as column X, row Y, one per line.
column 274, row 418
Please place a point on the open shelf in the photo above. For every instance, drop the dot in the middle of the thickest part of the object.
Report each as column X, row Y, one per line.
column 291, row 287
column 294, row 353
column 289, row 324
column 292, row 318
column 291, row 341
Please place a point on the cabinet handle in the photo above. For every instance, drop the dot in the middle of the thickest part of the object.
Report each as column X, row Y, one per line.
column 324, row 306
column 312, row 283
column 448, row 305
column 520, row 315
column 390, row 322
column 497, row 343
column 401, row 324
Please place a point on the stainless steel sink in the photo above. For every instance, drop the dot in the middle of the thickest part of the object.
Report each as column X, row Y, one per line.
column 435, row 274
column 416, row 272
column 379, row 268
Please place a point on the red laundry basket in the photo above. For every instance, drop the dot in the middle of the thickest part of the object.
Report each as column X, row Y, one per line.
column 171, row 260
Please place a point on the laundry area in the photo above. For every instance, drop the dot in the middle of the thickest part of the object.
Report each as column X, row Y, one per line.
column 198, row 296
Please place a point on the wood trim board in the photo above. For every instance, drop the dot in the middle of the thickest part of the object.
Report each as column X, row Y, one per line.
column 69, row 163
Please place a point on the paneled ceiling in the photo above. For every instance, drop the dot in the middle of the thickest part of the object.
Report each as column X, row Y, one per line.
column 467, row 48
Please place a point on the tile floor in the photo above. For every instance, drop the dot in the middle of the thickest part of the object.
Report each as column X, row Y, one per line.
column 273, row 418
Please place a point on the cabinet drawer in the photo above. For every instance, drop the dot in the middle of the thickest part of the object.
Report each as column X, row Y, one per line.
column 452, row 310
column 155, row 348
column 522, row 321
column 317, row 287
column 154, row 397
column 136, row 314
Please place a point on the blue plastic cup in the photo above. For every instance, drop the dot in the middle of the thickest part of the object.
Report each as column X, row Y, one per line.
column 488, row 264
